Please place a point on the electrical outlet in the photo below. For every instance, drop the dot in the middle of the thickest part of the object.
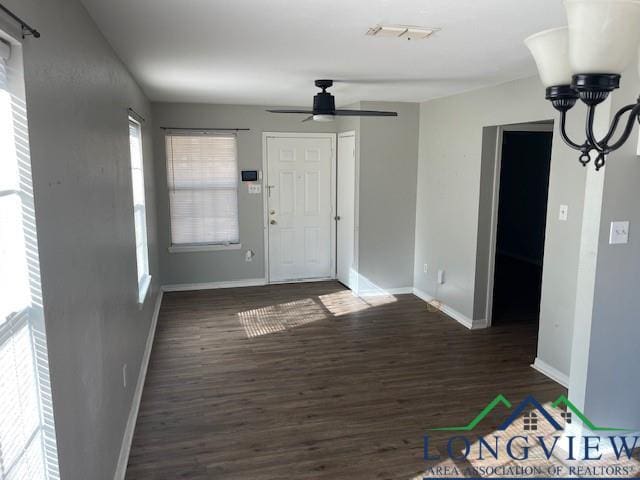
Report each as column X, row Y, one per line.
column 564, row 213
column 441, row 277
column 426, row 268
column 619, row 233
column 124, row 376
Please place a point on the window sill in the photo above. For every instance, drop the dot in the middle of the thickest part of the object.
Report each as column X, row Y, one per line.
column 203, row 248
column 143, row 290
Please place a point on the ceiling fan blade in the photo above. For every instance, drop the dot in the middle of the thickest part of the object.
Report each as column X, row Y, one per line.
column 308, row 112
column 310, row 117
column 365, row 113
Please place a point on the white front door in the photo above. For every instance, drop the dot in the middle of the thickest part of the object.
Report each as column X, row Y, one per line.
column 346, row 271
column 299, row 207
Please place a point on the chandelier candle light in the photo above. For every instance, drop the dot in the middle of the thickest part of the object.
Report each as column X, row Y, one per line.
column 584, row 61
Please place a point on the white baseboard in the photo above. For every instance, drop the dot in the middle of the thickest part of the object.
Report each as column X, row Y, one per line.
column 127, row 438
column 384, row 291
column 366, row 288
column 400, row 291
column 447, row 310
column 551, row 372
column 182, row 287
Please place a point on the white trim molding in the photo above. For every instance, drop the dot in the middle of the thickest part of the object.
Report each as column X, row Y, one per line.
column 551, row 372
column 125, row 448
column 366, row 288
column 447, row 310
column 183, row 287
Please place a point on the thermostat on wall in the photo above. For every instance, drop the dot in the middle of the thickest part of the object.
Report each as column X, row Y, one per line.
column 250, row 175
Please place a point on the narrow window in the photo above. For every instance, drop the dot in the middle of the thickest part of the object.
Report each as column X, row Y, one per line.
column 139, row 208
column 202, row 176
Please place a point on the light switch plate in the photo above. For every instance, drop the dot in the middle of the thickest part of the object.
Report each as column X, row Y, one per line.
column 564, row 213
column 255, row 188
column 619, row 233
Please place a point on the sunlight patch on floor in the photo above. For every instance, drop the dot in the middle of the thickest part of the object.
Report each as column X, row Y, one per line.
column 278, row 318
column 345, row 302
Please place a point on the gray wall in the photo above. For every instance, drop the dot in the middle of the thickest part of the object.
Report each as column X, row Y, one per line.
column 77, row 97
column 451, row 212
column 388, row 152
column 229, row 265
column 388, row 167
column 606, row 368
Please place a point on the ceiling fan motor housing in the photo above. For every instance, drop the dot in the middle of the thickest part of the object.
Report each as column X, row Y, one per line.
column 324, row 104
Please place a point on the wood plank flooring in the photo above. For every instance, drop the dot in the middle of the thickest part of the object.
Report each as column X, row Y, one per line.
column 305, row 381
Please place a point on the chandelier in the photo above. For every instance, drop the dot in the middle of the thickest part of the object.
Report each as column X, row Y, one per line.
column 585, row 61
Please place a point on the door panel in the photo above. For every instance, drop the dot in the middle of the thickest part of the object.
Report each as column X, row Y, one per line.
column 299, row 208
column 346, row 271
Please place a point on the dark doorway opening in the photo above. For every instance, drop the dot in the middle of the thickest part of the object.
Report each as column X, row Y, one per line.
column 522, row 218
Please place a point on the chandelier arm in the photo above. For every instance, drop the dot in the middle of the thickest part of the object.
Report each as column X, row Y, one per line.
column 616, row 120
column 563, row 133
column 627, row 130
column 591, row 138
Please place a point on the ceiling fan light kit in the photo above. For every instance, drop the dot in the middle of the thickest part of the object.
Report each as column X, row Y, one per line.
column 584, row 61
column 324, row 107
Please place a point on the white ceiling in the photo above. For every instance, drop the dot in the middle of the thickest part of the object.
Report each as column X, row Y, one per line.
column 269, row 52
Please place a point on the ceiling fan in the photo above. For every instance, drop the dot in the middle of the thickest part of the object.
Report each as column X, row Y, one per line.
column 324, row 107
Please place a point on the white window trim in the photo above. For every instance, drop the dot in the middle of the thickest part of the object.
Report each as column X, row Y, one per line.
column 145, row 281
column 204, row 248
column 143, row 289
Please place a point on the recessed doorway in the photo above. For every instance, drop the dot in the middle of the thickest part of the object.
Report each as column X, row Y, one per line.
column 524, row 160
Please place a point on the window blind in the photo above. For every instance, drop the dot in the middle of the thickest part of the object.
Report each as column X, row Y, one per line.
column 14, row 282
column 139, row 208
column 202, row 176
column 27, row 431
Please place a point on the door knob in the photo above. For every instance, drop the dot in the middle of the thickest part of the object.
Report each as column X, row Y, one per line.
column 273, row 222
column 337, row 217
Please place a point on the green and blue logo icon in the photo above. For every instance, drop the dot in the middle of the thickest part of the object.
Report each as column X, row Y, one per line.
column 527, row 404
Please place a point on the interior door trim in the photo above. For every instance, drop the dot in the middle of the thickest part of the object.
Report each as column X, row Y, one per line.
column 265, row 203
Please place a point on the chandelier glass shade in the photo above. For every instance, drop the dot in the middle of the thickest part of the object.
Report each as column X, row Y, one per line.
column 584, row 61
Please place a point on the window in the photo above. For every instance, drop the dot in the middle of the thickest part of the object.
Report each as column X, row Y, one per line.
column 202, row 175
column 139, row 209
column 530, row 422
column 27, row 430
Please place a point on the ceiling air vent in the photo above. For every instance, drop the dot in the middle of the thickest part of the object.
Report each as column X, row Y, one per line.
column 408, row 32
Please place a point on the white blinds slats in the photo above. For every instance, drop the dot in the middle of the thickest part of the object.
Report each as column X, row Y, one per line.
column 24, row 452
column 202, row 175
column 14, row 281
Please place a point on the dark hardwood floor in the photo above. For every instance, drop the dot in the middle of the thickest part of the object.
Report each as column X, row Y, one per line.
column 305, row 381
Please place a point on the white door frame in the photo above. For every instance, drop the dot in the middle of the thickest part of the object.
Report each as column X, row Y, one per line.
column 495, row 202
column 356, row 209
column 265, row 198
